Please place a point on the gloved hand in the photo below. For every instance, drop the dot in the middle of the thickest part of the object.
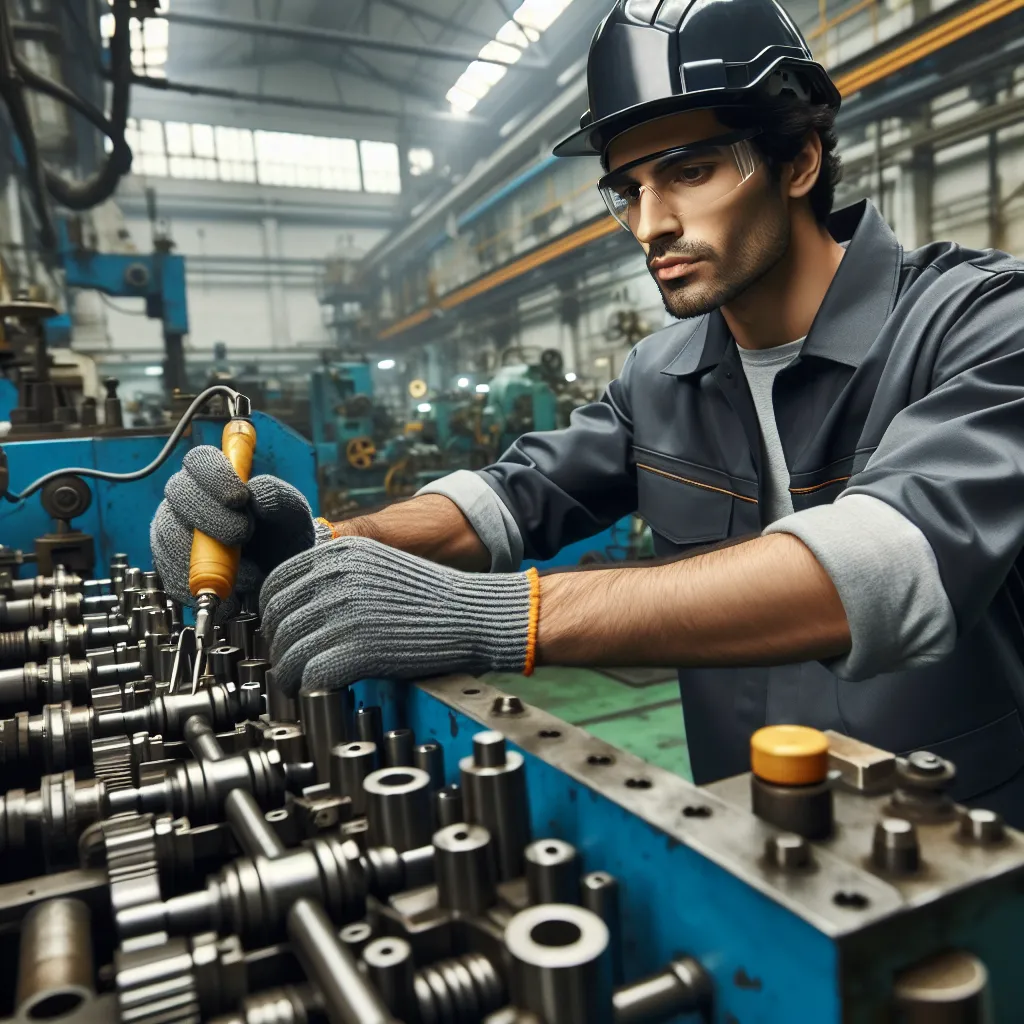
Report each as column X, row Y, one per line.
column 356, row 609
column 268, row 517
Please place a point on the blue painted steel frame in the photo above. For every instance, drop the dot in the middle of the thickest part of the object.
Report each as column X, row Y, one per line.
column 120, row 513
column 770, row 965
column 675, row 901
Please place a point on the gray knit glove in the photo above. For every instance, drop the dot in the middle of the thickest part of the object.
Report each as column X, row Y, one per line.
column 356, row 609
column 268, row 517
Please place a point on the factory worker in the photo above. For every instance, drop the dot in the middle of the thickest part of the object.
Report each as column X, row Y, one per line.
column 847, row 415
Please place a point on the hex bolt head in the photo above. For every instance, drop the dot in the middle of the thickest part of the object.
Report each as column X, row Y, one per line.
column 788, row 851
column 981, row 826
column 895, row 848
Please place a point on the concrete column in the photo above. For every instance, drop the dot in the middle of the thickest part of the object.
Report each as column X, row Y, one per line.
column 279, row 322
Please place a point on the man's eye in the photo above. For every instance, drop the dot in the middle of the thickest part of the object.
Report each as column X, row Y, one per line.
column 629, row 193
column 693, row 174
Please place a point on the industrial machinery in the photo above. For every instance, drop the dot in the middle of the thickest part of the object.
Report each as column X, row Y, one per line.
column 178, row 846
column 523, row 397
column 442, row 852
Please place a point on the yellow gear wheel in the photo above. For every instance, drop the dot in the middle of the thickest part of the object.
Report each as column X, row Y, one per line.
column 360, row 452
column 417, row 388
column 399, row 480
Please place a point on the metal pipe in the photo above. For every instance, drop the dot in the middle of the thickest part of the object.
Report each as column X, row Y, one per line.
column 684, row 987
column 350, row 764
column 398, row 808
column 336, row 37
column 253, row 832
column 369, row 726
column 55, row 960
column 202, row 740
column 348, row 997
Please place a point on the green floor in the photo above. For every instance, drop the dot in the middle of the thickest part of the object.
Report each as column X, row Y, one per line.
column 647, row 721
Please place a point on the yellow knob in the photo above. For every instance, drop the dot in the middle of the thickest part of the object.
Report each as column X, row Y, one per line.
column 789, row 755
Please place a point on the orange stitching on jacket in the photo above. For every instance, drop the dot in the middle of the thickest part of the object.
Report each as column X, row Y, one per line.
column 696, row 483
column 818, row 487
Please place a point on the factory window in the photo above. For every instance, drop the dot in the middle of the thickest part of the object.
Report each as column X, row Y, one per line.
column 149, row 41
column 308, row 161
column 528, row 21
column 381, row 172
column 218, row 153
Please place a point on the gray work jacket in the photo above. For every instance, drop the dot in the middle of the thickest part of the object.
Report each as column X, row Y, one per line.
column 909, row 388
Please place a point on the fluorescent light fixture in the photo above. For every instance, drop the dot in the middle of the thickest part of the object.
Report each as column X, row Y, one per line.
column 424, row 407
column 530, row 19
column 463, row 382
column 386, row 364
column 154, row 371
column 570, row 377
column 482, row 389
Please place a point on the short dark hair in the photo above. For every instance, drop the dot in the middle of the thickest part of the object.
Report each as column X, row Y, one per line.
column 785, row 122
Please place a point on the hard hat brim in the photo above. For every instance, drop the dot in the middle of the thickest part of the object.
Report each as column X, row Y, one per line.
column 594, row 138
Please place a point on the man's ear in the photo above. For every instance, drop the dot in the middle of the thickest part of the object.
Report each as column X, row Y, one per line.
column 806, row 167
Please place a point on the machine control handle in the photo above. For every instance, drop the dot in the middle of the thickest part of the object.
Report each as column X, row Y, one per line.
column 214, row 566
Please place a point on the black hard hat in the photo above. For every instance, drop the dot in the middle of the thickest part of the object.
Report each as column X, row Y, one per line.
column 650, row 58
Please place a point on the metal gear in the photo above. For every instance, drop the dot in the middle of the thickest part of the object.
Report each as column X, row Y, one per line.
column 179, row 981
column 360, row 452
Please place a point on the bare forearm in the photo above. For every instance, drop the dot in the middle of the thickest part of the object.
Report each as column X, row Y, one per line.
column 767, row 601
column 431, row 526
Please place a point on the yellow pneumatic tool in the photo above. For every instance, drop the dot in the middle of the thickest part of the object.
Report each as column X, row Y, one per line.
column 213, row 566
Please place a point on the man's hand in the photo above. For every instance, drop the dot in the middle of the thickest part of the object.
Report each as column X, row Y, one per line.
column 355, row 609
column 268, row 517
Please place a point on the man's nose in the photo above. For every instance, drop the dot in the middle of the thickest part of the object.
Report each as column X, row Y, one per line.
column 654, row 219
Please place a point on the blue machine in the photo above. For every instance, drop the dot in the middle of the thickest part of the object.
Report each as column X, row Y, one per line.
column 344, row 431
column 519, row 400
column 823, row 941
column 120, row 513
column 158, row 277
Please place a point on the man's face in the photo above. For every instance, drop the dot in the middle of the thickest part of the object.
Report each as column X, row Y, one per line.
column 702, row 255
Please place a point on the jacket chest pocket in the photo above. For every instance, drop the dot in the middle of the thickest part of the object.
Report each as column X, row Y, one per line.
column 684, row 511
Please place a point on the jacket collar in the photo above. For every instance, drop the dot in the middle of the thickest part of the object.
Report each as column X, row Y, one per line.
column 855, row 307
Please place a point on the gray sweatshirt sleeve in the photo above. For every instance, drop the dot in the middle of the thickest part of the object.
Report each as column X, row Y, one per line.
column 487, row 515
column 888, row 579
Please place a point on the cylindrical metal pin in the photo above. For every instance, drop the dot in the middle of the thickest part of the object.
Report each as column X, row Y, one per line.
column 464, row 868
column 448, row 806
column 370, row 726
column 895, row 848
column 280, row 707
column 398, row 808
column 599, row 893
column 392, row 970
column 242, row 633
column 398, row 747
column 430, row 758
column 324, row 715
column 494, row 795
column 351, row 763
column 552, row 872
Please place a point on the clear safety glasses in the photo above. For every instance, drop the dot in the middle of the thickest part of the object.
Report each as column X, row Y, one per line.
column 686, row 180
